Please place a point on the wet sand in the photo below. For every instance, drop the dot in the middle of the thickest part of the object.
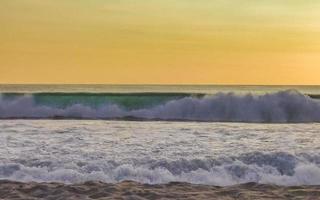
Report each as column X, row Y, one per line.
column 133, row 190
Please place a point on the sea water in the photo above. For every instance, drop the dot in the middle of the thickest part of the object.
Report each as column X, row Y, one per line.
column 219, row 138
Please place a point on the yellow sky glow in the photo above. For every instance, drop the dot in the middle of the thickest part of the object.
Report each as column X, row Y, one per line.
column 160, row 41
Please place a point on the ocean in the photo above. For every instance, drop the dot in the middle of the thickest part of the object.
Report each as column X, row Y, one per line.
column 212, row 135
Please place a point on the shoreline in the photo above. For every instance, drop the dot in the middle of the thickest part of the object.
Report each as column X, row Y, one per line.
column 134, row 190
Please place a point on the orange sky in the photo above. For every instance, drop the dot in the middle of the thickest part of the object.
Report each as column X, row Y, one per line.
column 160, row 41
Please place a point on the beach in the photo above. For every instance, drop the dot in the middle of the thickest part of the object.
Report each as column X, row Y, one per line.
column 133, row 190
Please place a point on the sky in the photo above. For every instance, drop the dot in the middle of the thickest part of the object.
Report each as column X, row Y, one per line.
column 259, row 42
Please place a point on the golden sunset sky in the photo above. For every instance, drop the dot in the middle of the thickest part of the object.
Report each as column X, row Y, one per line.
column 160, row 41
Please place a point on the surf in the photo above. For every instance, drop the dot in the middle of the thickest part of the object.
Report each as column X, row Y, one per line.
column 288, row 106
column 274, row 168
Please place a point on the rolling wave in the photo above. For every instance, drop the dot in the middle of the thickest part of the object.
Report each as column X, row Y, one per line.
column 280, row 107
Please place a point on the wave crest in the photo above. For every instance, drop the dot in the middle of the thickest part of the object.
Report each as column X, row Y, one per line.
column 279, row 107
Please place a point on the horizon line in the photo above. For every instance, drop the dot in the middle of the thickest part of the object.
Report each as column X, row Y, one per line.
column 158, row 84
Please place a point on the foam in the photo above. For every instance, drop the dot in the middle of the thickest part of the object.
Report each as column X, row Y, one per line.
column 280, row 169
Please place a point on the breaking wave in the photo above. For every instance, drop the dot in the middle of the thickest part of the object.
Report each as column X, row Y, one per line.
column 280, row 107
column 274, row 168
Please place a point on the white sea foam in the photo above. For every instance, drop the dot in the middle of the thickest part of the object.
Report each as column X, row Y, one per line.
column 228, row 173
column 159, row 152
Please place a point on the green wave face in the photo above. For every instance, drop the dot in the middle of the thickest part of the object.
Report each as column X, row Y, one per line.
column 95, row 100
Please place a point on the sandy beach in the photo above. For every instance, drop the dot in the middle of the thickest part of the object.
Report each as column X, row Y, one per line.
column 134, row 190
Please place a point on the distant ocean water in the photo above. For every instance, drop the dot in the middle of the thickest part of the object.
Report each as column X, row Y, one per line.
column 166, row 142
column 200, row 89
